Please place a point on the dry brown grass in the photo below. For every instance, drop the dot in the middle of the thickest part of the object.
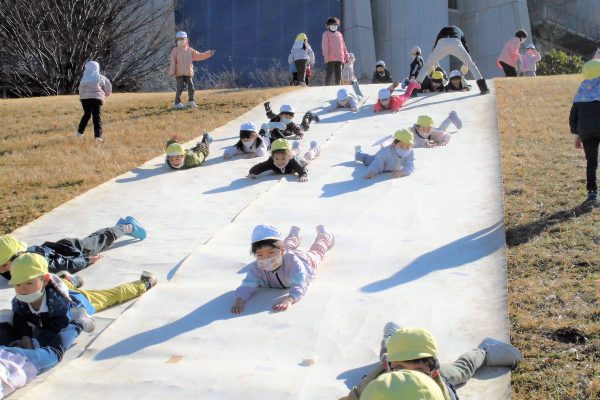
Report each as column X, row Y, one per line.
column 553, row 244
column 43, row 164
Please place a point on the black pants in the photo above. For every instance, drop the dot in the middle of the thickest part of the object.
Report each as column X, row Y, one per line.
column 301, row 68
column 98, row 241
column 590, row 147
column 91, row 108
column 508, row 70
column 333, row 68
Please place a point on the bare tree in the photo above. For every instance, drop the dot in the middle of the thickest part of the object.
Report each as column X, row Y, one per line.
column 45, row 44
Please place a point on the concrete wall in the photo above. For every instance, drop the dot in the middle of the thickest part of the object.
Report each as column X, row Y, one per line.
column 400, row 25
column 357, row 24
column 488, row 24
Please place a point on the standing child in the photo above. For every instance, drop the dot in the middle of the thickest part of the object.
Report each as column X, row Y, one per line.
column 286, row 116
column 182, row 68
column 93, row 90
column 334, row 52
column 302, row 56
column 381, row 75
column 250, row 143
column 281, row 264
column 180, row 158
column 398, row 157
column 529, row 61
column 70, row 254
column 416, row 64
column 584, row 122
column 426, row 135
column 285, row 160
column 348, row 70
column 393, row 103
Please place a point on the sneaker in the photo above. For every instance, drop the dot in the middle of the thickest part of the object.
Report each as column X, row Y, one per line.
column 388, row 330
column 294, row 231
column 192, row 104
column 138, row 230
column 178, row 106
column 267, row 105
column 592, row 198
column 404, row 84
column 306, row 120
column 356, row 90
column 322, row 231
column 500, row 354
column 315, row 117
column 207, row 138
column 296, row 146
column 315, row 145
column 455, row 119
column 149, row 279
column 75, row 280
column 81, row 316
column 99, row 139
column 79, row 135
column 357, row 149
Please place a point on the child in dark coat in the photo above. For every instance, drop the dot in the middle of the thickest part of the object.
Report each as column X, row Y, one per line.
column 285, row 160
column 286, row 116
column 381, row 75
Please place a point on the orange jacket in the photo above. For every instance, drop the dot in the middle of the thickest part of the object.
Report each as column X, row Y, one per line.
column 182, row 58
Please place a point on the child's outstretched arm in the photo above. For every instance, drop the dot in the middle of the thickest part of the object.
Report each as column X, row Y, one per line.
column 244, row 292
column 260, row 168
column 376, row 167
column 299, row 169
column 197, row 56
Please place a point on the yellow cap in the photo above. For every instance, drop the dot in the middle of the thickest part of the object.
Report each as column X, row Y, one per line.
column 411, row 344
column 425, row 121
column 26, row 267
column 301, row 36
column 280, row 144
column 405, row 136
column 175, row 149
column 403, row 384
column 591, row 69
column 9, row 246
column 437, row 75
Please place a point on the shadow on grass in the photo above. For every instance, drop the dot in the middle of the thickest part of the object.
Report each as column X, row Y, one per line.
column 521, row 234
column 214, row 310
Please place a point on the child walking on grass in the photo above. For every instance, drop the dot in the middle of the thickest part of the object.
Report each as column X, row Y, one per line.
column 398, row 157
column 93, row 90
column 180, row 158
column 584, row 121
column 285, row 160
column 280, row 264
column 251, row 144
column 182, row 68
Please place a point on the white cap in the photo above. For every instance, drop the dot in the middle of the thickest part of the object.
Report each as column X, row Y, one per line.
column 384, row 94
column 342, row 94
column 380, row 62
column 181, row 35
column 265, row 232
column 415, row 50
column 248, row 126
column 286, row 108
column 530, row 46
column 455, row 74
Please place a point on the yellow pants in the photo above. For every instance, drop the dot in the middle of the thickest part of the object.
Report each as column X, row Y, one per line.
column 102, row 299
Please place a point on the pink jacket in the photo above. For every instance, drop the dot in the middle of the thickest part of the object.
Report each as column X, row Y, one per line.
column 333, row 46
column 98, row 90
column 182, row 58
column 529, row 61
column 510, row 52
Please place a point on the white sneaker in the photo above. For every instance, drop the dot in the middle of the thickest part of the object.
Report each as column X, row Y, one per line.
column 81, row 316
column 178, row 106
column 500, row 354
column 321, row 230
column 79, row 135
column 315, row 145
column 390, row 328
column 192, row 104
column 296, row 146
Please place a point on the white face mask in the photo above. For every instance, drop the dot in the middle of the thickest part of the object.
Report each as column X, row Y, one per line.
column 31, row 297
column 248, row 145
column 333, row 28
column 402, row 152
column 181, row 43
column 270, row 264
column 286, row 120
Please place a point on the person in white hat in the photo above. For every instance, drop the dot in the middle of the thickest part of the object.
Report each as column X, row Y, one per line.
column 182, row 68
column 280, row 264
column 251, row 144
column 457, row 83
column 529, row 61
column 416, row 64
column 288, row 127
column 381, row 74
column 387, row 101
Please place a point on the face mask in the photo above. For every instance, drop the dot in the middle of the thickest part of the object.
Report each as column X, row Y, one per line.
column 31, row 297
column 181, row 43
column 402, row 152
column 333, row 28
column 247, row 145
column 286, row 120
column 270, row 264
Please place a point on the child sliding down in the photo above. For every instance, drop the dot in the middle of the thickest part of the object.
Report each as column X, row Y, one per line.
column 281, row 264
column 393, row 103
column 250, row 143
column 426, row 135
column 286, row 116
column 180, row 158
column 285, row 160
column 398, row 157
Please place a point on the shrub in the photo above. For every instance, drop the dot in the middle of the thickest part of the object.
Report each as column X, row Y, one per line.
column 556, row 62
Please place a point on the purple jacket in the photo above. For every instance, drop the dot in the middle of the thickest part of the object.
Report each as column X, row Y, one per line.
column 295, row 274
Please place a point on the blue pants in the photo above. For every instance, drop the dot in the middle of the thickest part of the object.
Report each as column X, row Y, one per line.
column 43, row 358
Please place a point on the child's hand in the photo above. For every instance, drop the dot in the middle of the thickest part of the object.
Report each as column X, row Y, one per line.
column 428, row 145
column 252, row 176
column 369, row 175
column 94, row 259
column 578, row 144
column 283, row 304
column 303, row 178
column 398, row 174
column 445, row 142
column 238, row 306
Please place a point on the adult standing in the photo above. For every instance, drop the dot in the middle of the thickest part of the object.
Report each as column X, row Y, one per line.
column 451, row 41
column 508, row 58
column 334, row 52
